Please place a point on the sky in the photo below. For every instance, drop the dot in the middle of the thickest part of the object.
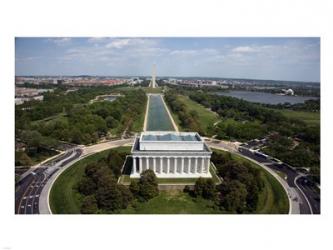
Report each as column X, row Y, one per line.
column 293, row 59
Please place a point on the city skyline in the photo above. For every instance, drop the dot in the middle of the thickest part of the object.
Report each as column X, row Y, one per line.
column 285, row 59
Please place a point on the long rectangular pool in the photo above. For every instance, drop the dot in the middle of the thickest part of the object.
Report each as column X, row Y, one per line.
column 158, row 118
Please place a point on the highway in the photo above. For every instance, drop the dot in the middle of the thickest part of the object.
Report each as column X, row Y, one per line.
column 29, row 189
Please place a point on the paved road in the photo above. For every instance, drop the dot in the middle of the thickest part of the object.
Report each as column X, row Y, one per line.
column 298, row 197
column 29, row 189
column 311, row 193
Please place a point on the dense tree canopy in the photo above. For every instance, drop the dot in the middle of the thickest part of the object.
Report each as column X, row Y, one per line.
column 100, row 188
column 68, row 116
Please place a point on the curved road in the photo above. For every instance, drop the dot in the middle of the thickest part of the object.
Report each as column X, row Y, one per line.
column 29, row 188
column 32, row 192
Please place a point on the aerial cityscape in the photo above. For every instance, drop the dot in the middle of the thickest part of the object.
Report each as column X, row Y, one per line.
column 167, row 125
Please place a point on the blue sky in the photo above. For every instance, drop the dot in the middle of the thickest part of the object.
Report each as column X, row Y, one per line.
column 295, row 59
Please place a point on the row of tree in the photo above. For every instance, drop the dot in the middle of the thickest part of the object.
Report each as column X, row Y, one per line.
column 188, row 119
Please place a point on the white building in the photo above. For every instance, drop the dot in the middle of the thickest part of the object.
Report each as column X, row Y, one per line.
column 171, row 155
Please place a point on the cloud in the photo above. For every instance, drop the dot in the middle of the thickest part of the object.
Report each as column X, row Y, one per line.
column 244, row 49
column 183, row 52
column 60, row 41
column 97, row 39
column 119, row 43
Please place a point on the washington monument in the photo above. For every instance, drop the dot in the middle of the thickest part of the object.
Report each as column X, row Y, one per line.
column 153, row 79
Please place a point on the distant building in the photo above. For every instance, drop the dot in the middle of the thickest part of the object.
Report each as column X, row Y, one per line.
column 288, row 91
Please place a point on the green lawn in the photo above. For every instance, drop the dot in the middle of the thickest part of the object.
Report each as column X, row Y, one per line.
column 172, row 202
column 156, row 90
column 311, row 118
column 206, row 117
column 64, row 198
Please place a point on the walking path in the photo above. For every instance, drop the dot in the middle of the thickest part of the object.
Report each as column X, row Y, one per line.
column 146, row 115
column 170, row 116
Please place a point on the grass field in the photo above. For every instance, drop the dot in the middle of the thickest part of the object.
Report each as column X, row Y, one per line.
column 156, row 90
column 206, row 117
column 172, row 202
column 64, row 197
column 311, row 118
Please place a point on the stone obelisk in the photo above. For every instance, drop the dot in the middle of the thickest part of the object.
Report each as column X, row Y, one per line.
column 153, row 79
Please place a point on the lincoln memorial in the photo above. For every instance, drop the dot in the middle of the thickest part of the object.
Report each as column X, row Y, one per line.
column 171, row 155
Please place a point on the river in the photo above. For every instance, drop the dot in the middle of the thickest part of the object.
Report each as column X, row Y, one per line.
column 267, row 98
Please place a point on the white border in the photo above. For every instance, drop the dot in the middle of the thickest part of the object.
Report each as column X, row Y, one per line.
column 162, row 18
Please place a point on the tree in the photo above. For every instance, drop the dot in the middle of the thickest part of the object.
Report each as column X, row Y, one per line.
column 89, row 205
column 115, row 162
column 205, row 188
column 233, row 196
column 134, row 187
column 87, row 186
column 148, row 185
column 111, row 122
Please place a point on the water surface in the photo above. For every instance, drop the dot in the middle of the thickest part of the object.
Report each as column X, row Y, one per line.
column 266, row 98
column 158, row 118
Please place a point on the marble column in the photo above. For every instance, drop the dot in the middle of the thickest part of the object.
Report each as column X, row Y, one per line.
column 175, row 164
column 208, row 165
column 196, row 165
column 134, row 165
column 168, row 167
column 161, row 165
column 202, row 164
column 189, row 165
column 154, row 164
column 140, row 165
column 182, row 166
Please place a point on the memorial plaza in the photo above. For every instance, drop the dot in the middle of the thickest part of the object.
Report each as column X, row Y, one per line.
column 171, row 155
